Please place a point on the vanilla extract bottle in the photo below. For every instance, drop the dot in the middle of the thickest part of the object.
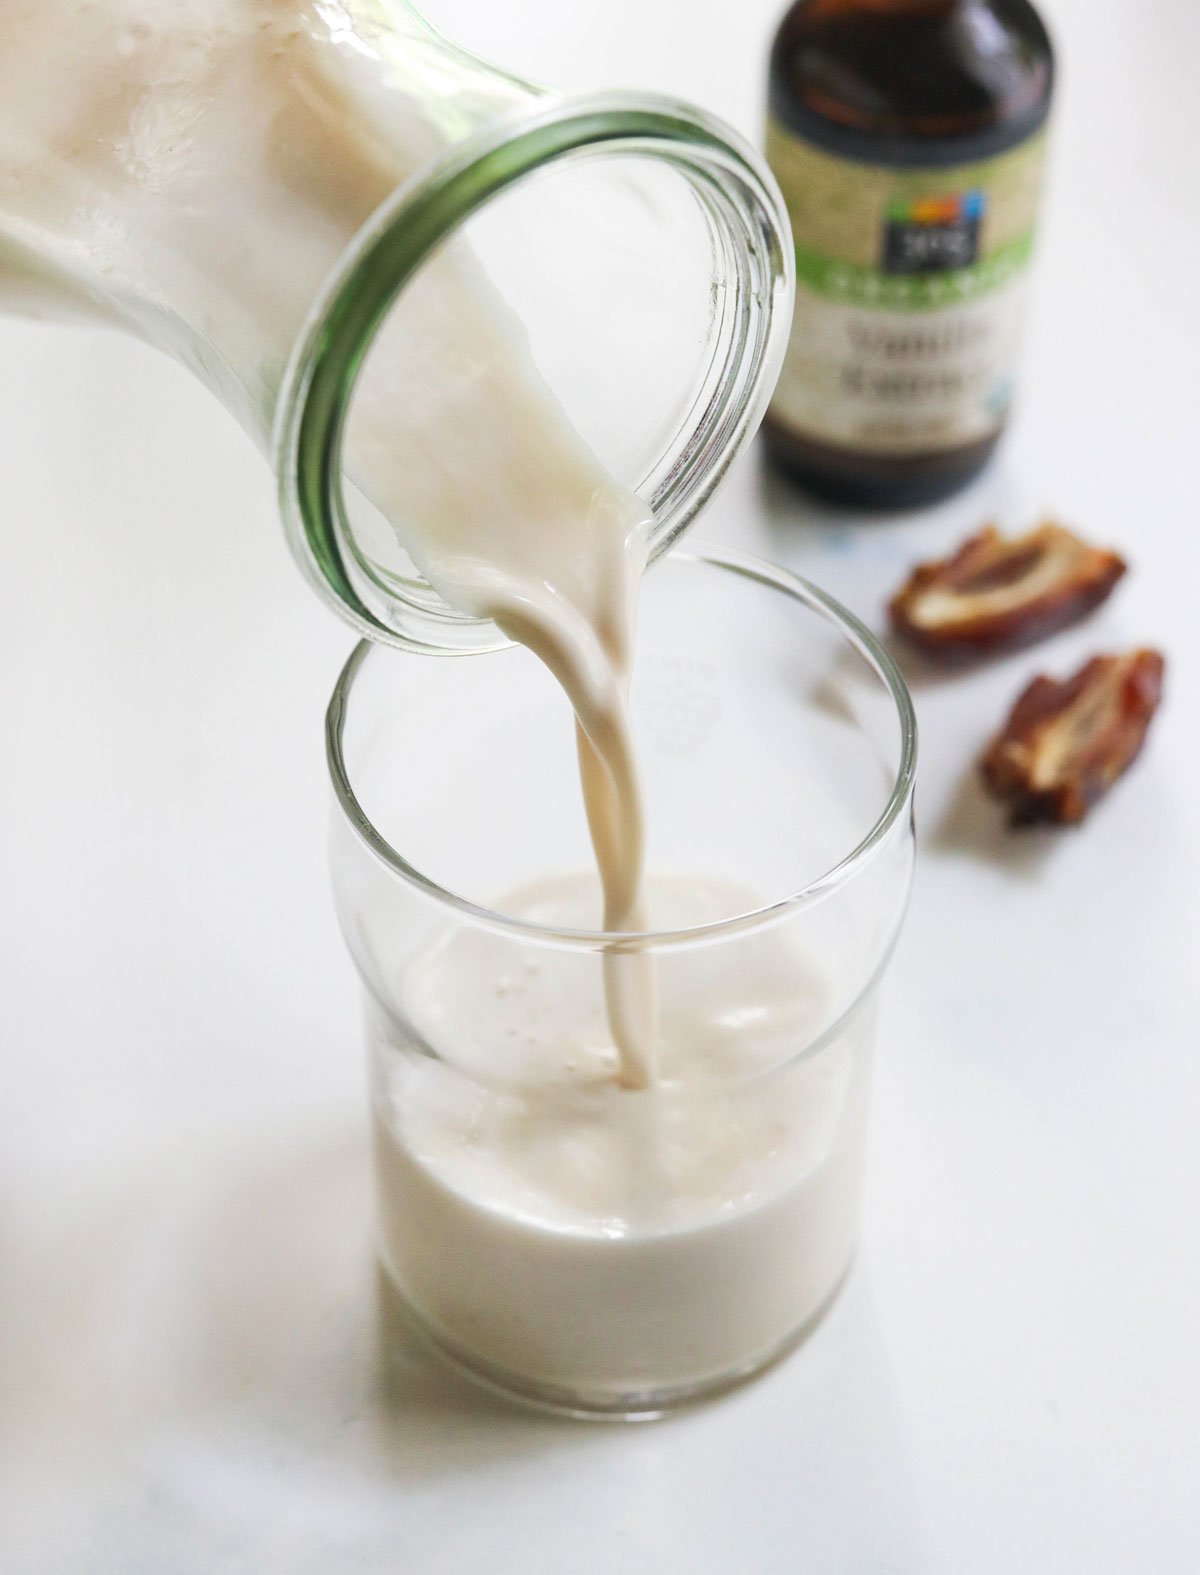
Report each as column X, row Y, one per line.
column 908, row 138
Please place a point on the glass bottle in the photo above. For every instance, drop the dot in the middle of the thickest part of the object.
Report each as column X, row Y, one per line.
column 908, row 138
column 266, row 188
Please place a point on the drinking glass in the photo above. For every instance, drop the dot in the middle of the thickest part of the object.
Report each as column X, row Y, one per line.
column 596, row 1248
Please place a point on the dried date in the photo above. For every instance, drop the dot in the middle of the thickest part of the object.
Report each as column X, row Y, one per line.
column 1067, row 741
column 996, row 593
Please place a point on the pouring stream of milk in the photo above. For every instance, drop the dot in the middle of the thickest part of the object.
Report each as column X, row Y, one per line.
column 238, row 145
column 510, row 515
column 520, row 523
column 589, row 650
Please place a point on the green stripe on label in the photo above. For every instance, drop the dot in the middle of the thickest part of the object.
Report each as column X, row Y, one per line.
column 854, row 285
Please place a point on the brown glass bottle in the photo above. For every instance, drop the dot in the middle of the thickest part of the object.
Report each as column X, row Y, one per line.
column 908, row 119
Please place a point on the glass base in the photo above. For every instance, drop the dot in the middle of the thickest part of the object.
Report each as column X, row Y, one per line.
column 641, row 1405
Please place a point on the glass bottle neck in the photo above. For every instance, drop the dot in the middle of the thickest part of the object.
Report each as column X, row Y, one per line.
column 250, row 185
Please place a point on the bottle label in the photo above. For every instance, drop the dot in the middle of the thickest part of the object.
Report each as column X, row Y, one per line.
column 910, row 296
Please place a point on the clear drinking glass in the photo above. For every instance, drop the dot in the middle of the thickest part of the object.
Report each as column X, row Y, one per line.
column 589, row 1246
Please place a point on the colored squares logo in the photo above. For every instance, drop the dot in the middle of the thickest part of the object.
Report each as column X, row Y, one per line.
column 961, row 208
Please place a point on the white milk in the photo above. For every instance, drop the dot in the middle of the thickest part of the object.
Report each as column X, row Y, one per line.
column 582, row 1239
column 205, row 162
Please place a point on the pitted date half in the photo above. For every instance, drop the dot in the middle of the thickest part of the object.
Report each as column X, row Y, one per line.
column 1066, row 742
column 997, row 593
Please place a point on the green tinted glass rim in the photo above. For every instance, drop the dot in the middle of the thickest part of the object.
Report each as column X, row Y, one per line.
column 321, row 377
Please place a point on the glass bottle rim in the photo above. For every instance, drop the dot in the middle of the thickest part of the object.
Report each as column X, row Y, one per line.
column 746, row 566
column 319, row 382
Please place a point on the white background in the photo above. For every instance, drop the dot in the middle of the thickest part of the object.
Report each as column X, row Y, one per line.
column 189, row 1355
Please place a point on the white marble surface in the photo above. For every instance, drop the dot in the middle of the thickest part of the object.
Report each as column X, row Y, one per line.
column 189, row 1347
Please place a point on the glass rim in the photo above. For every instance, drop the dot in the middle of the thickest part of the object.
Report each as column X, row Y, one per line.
column 319, row 382
column 746, row 566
